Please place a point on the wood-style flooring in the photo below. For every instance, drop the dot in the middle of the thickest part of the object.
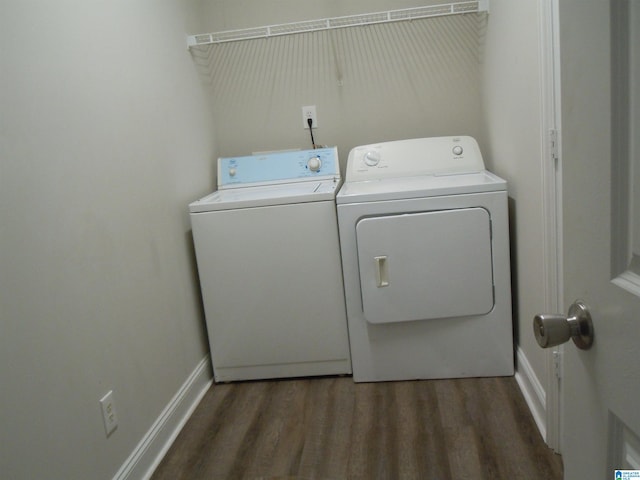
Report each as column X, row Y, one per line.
column 331, row 428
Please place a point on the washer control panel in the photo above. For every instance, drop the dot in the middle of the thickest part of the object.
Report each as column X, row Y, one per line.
column 278, row 167
column 419, row 156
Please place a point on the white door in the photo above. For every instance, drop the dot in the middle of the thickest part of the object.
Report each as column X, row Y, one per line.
column 425, row 265
column 601, row 217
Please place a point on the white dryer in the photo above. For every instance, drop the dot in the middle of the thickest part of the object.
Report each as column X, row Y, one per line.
column 425, row 254
column 269, row 264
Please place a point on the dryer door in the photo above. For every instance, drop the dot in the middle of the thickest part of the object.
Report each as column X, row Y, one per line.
column 425, row 265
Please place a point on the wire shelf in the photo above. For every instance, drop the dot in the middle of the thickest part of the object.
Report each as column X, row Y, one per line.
column 306, row 26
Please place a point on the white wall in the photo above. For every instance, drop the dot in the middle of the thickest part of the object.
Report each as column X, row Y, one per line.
column 104, row 139
column 369, row 84
column 512, row 116
column 219, row 15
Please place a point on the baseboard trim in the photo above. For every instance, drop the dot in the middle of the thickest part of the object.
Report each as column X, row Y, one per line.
column 154, row 445
column 532, row 391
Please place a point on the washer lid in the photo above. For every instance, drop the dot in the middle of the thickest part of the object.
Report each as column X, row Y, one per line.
column 419, row 187
column 248, row 197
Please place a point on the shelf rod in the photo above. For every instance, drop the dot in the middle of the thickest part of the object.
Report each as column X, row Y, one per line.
column 306, row 26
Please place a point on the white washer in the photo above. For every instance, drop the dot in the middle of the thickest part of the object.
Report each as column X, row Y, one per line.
column 425, row 254
column 268, row 258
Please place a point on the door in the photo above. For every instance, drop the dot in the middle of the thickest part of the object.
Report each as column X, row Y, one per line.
column 601, row 386
column 425, row 265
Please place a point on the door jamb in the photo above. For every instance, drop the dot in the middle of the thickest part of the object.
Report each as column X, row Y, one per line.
column 552, row 206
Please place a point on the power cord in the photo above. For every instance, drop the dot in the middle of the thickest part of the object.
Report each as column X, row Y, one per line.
column 310, row 123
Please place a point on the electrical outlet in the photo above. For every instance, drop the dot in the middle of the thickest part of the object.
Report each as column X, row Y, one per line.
column 309, row 112
column 109, row 413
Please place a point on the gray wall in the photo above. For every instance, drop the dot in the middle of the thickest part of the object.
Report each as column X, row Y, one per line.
column 512, row 116
column 219, row 15
column 104, row 139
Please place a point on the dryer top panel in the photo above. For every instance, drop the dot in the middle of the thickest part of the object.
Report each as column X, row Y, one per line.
column 419, row 187
column 419, row 156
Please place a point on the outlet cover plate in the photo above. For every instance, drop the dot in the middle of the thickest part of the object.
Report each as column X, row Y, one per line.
column 309, row 112
column 109, row 415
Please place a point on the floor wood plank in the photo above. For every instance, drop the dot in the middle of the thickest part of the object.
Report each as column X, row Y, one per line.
column 331, row 429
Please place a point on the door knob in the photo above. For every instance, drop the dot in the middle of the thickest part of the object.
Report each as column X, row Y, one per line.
column 552, row 329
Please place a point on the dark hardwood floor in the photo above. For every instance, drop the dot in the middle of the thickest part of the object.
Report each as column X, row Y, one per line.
column 332, row 428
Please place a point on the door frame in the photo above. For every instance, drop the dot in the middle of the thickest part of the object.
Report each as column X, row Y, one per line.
column 549, row 52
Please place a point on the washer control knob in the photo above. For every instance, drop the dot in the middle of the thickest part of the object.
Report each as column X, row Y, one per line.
column 457, row 150
column 314, row 164
column 232, row 172
column 372, row 158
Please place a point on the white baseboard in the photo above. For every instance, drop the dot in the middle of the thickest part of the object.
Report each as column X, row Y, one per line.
column 532, row 390
column 149, row 452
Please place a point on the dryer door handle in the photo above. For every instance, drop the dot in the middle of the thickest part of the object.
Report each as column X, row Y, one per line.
column 382, row 271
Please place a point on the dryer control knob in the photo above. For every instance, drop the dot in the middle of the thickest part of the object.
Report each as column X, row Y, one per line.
column 372, row 158
column 232, row 172
column 314, row 164
column 457, row 150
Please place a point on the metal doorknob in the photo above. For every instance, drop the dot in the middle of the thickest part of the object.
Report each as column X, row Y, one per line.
column 552, row 329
